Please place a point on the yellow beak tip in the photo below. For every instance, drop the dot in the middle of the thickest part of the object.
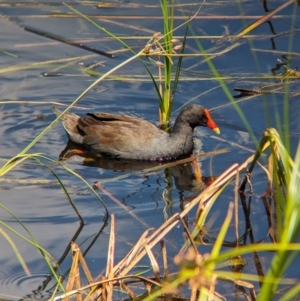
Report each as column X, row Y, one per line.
column 217, row 131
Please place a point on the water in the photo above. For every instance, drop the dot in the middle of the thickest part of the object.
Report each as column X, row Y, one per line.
column 31, row 192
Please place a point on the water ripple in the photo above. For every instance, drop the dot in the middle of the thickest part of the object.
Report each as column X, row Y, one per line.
column 20, row 283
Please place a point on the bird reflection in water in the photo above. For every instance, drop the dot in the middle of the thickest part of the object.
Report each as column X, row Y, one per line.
column 184, row 175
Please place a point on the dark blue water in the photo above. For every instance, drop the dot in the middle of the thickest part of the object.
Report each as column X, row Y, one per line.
column 31, row 192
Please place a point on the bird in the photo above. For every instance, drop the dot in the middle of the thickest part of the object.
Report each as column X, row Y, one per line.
column 128, row 137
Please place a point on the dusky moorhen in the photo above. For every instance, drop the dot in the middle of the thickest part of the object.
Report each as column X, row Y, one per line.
column 128, row 137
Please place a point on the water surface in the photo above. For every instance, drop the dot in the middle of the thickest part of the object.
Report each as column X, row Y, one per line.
column 31, row 192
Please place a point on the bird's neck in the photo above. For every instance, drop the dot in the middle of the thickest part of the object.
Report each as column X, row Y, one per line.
column 180, row 127
column 182, row 139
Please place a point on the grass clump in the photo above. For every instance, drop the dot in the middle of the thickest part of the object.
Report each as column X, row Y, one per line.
column 204, row 273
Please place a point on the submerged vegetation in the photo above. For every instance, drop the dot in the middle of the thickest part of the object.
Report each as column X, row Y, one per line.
column 189, row 273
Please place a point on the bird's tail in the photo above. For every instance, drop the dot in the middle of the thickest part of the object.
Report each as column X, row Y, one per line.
column 70, row 121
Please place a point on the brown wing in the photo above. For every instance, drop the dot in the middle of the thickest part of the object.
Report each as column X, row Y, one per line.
column 116, row 134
